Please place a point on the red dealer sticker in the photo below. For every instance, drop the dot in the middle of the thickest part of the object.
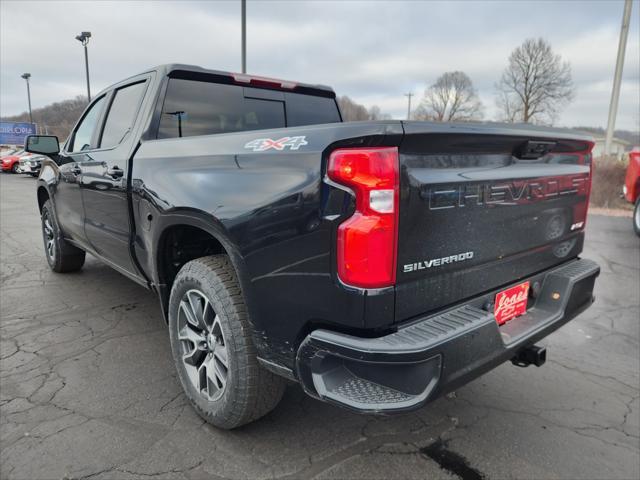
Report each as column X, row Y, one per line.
column 511, row 303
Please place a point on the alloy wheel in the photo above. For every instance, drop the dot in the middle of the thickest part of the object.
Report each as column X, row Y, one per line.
column 49, row 235
column 204, row 350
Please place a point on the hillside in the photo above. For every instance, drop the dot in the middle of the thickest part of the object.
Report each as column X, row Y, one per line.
column 55, row 119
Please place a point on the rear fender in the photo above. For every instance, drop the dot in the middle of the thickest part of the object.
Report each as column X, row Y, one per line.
column 207, row 223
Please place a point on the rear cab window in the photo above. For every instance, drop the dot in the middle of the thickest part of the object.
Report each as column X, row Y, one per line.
column 199, row 107
column 310, row 110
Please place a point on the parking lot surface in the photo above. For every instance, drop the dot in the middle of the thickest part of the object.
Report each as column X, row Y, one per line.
column 88, row 388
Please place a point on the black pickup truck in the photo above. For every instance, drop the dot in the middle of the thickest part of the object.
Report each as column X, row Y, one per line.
column 378, row 264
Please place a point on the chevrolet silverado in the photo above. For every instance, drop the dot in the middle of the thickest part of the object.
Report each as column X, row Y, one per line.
column 378, row 264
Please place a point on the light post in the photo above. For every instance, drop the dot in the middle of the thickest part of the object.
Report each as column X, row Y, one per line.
column 409, row 95
column 27, row 76
column 84, row 39
column 243, row 22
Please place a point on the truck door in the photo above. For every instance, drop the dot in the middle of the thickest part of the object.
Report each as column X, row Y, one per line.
column 104, row 181
column 79, row 151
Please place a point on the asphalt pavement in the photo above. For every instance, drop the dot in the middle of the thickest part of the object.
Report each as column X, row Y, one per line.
column 88, row 388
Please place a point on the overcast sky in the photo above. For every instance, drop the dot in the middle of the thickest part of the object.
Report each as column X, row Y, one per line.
column 373, row 51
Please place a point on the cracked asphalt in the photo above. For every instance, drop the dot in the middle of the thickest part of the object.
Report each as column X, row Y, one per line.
column 88, row 388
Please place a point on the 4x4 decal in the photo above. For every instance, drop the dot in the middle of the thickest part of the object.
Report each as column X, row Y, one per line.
column 262, row 144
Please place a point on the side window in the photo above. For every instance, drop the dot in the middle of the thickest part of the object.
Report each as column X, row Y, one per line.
column 84, row 133
column 202, row 108
column 122, row 114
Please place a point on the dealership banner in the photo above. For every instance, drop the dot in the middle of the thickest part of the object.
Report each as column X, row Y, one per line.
column 14, row 133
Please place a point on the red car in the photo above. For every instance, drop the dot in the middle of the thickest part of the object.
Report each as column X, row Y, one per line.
column 10, row 163
column 631, row 188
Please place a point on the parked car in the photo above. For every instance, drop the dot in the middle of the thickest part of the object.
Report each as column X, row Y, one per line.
column 10, row 163
column 631, row 187
column 8, row 151
column 30, row 164
column 379, row 264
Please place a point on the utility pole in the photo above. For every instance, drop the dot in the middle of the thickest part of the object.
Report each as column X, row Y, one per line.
column 27, row 76
column 409, row 95
column 244, row 35
column 617, row 78
column 84, row 39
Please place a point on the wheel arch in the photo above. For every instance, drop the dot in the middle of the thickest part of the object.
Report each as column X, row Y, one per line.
column 42, row 195
column 184, row 235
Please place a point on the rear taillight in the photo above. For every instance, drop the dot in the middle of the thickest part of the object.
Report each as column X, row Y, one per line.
column 367, row 241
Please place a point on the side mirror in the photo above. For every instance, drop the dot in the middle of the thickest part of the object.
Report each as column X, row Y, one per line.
column 44, row 144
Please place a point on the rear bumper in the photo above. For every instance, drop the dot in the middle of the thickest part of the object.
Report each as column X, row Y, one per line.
column 438, row 353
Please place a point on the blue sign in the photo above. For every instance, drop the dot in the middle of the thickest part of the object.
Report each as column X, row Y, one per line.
column 12, row 133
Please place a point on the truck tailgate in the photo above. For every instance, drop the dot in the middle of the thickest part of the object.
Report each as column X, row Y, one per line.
column 483, row 206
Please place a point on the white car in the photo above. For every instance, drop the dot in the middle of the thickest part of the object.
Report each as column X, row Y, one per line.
column 30, row 164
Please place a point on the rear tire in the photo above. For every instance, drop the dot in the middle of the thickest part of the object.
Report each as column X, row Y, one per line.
column 213, row 349
column 61, row 256
column 14, row 168
column 636, row 217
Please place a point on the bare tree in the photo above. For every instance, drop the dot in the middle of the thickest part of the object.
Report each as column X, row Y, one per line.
column 536, row 84
column 509, row 110
column 451, row 98
column 375, row 113
column 353, row 112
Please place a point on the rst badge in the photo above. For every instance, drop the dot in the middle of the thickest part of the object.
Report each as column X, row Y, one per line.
column 262, row 144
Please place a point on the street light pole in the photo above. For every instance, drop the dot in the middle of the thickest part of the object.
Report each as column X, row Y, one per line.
column 27, row 76
column 84, row 39
column 244, row 35
column 409, row 95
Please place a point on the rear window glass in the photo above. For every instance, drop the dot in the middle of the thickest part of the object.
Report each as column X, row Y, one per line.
column 194, row 107
column 310, row 110
column 200, row 108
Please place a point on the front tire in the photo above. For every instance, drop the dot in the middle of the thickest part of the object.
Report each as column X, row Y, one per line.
column 61, row 256
column 636, row 217
column 14, row 168
column 213, row 348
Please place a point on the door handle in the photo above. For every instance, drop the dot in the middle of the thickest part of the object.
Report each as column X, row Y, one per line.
column 115, row 172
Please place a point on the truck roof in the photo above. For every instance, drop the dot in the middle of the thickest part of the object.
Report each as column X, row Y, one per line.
column 171, row 69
